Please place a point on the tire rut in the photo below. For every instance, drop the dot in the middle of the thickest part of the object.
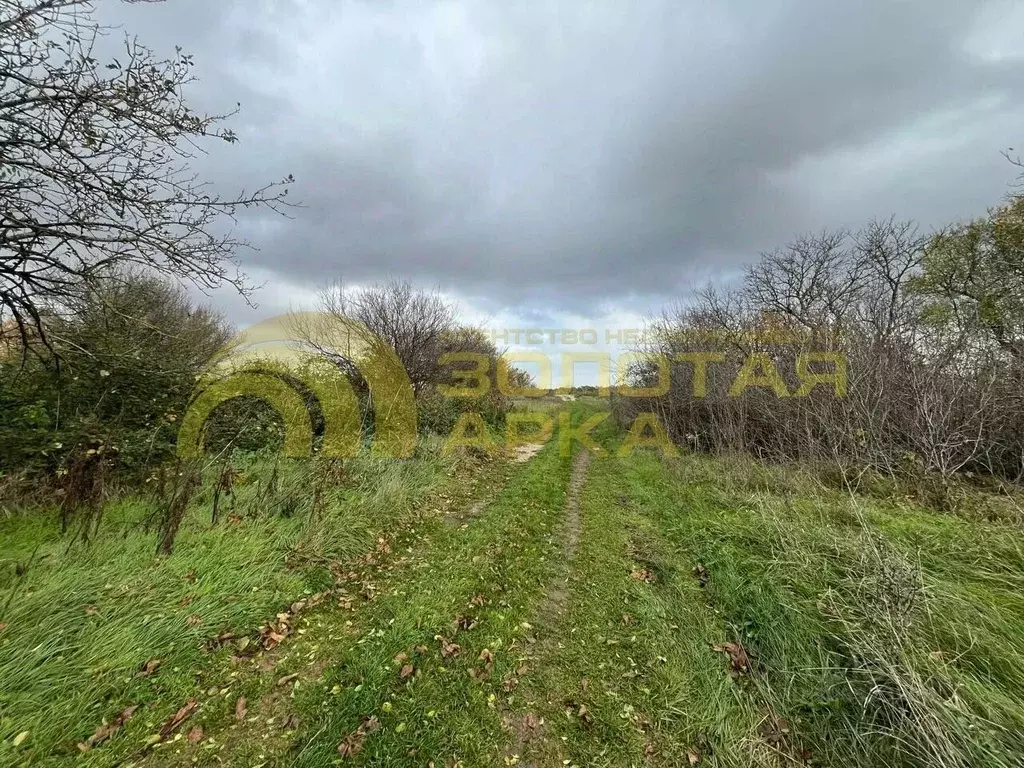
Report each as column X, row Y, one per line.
column 525, row 729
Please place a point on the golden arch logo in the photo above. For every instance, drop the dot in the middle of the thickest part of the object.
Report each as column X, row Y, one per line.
column 311, row 348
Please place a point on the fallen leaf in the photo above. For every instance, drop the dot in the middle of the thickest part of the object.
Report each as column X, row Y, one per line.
column 20, row 738
column 407, row 670
column 149, row 667
column 195, row 735
column 350, row 746
column 693, row 757
column 219, row 641
column 774, row 730
column 401, row 658
column 107, row 730
column 448, row 648
column 738, row 658
column 702, row 575
column 288, row 679
column 241, row 708
column 290, row 723
column 353, row 743
column 585, row 716
column 194, row 621
column 91, row 610
column 179, row 717
column 530, row 721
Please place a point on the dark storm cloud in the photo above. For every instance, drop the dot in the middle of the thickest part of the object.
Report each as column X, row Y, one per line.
column 571, row 153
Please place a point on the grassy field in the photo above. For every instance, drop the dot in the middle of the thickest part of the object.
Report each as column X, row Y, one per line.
column 567, row 610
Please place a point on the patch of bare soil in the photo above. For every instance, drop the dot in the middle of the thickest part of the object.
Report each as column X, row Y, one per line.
column 523, row 453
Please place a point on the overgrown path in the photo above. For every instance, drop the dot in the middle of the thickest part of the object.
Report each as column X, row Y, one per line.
column 420, row 669
column 636, row 611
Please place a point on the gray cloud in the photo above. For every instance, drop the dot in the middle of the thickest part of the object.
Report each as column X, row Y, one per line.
column 565, row 154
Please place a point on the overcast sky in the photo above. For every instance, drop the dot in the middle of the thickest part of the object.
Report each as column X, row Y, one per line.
column 580, row 163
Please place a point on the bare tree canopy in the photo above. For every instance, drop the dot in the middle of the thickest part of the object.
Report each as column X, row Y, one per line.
column 95, row 164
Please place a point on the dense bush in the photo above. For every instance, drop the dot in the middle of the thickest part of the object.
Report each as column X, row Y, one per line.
column 931, row 330
column 127, row 352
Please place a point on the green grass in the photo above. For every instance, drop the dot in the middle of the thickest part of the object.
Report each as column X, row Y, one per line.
column 488, row 569
column 84, row 618
column 879, row 631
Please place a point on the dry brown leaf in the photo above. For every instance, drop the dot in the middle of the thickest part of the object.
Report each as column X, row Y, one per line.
column 350, row 746
column 530, row 720
column 401, row 658
column 195, row 735
column 219, row 641
column 774, row 730
column 149, row 667
column 738, row 658
column 407, row 670
column 241, row 708
column 585, row 716
column 179, row 717
column 288, row 679
column 693, row 757
column 194, row 621
column 107, row 730
column 448, row 648
column 702, row 575
column 353, row 743
column 92, row 610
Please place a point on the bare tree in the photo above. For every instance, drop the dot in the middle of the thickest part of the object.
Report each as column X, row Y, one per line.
column 95, row 165
column 419, row 325
column 926, row 326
